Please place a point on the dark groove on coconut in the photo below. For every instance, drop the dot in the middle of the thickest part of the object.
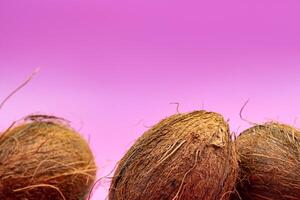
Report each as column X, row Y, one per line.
column 269, row 162
column 45, row 159
column 185, row 156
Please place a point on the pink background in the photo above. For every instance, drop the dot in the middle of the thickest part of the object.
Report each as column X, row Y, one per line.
column 114, row 67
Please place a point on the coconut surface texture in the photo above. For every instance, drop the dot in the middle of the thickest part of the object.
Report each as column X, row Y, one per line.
column 185, row 156
column 269, row 162
column 45, row 160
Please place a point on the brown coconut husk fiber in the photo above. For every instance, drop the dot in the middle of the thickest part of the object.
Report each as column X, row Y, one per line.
column 185, row 156
column 45, row 159
column 269, row 162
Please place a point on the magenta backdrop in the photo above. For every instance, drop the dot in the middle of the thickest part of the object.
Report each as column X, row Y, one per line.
column 114, row 67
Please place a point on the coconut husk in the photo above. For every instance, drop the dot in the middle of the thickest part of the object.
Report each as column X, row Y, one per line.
column 45, row 159
column 269, row 162
column 185, row 156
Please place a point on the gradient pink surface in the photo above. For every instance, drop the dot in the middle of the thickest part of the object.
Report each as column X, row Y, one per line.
column 113, row 67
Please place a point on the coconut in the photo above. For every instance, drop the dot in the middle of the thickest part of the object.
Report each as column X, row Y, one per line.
column 45, row 159
column 185, row 156
column 269, row 162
